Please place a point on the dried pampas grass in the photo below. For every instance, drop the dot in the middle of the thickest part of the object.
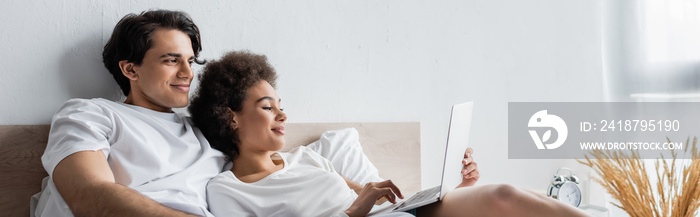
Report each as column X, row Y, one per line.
column 625, row 177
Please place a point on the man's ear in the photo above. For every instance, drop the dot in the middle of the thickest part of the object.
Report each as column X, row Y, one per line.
column 128, row 70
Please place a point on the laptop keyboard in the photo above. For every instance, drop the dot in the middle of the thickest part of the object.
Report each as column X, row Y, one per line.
column 420, row 197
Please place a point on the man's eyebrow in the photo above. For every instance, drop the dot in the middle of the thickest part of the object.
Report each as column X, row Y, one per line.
column 176, row 55
column 171, row 55
column 267, row 98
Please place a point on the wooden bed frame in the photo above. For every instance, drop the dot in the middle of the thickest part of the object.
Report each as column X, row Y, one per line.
column 394, row 148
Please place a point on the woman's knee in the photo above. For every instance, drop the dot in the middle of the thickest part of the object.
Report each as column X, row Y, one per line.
column 503, row 197
column 505, row 192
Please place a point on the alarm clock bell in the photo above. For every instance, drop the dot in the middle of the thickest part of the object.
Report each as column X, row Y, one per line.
column 565, row 188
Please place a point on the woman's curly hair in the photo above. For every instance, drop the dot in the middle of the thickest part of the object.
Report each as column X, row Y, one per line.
column 224, row 85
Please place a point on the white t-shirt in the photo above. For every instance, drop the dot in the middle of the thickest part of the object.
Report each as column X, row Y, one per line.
column 306, row 186
column 161, row 155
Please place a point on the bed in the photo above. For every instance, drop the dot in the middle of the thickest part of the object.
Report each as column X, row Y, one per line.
column 394, row 148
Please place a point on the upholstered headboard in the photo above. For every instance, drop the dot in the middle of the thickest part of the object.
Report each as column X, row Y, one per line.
column 394, row 148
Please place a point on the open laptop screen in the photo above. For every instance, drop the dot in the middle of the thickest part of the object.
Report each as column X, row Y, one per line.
column 457, row 143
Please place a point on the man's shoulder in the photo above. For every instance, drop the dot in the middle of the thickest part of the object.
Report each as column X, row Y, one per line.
column 80, row 103
column 92, row 101
column 87, row 110
column 94, row 104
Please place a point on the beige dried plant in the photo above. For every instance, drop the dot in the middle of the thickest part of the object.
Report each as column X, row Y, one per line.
column 625, row 177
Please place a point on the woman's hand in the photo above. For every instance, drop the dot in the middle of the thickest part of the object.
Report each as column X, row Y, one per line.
column 470, row 172
column 372, row 192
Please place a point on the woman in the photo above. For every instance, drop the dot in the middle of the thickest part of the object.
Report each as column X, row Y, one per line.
column 239, row 111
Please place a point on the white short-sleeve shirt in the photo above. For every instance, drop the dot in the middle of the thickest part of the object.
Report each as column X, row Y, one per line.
column 161, row 155
column 306, row 186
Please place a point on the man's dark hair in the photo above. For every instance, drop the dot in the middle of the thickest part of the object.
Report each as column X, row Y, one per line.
column 131, row 39
column 223, row 87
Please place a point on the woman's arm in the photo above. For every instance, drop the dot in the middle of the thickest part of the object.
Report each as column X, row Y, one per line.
column 352, row 185
column 372, row 192
column 470, row 172
column 358, row 189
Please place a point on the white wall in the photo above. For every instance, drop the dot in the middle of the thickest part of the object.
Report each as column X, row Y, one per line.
column 340, row 61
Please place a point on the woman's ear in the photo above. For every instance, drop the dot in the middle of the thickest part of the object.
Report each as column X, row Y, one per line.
column 128, row 70
column 233, row 117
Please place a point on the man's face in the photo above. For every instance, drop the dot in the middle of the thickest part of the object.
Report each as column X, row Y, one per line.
column 163, row 78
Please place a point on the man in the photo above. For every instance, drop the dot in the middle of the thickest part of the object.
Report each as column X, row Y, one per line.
column 135, row 158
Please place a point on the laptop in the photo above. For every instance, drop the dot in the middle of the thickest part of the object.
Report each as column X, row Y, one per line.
column 457, row 142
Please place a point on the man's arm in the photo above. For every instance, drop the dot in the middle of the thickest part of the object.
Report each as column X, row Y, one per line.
column 87, row 184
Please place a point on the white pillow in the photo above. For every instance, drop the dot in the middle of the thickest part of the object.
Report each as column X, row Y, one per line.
column 343, row 149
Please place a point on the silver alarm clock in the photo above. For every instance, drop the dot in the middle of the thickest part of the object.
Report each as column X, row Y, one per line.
column 565, row 188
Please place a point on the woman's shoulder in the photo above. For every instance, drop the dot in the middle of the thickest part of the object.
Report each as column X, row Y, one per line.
column 301, row 152
column 305, row 156
column 225, row 178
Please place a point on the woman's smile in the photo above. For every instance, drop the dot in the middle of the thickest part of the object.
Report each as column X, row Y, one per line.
column 279, row 130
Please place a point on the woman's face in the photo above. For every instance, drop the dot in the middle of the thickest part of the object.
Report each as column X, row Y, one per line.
column 260, row 124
